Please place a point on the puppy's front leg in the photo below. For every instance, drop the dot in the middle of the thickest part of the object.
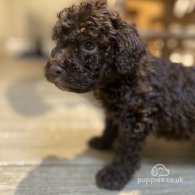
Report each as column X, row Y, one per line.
column 128, row 147
column 109, row 135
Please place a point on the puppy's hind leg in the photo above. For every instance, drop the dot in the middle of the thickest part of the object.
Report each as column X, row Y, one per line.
column 105, row 141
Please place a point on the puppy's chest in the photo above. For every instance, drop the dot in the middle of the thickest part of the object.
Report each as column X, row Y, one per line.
column 120, row 99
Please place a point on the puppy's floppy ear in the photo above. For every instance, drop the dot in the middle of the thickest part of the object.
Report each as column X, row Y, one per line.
column 129, row 49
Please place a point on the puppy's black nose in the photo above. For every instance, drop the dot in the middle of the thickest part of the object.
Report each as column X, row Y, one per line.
column 56, row 70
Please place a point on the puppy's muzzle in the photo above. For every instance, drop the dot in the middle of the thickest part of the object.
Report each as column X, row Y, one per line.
column 56, row 70
column 53, row 70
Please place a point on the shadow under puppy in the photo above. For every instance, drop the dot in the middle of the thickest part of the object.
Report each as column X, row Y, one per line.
column 97, row 51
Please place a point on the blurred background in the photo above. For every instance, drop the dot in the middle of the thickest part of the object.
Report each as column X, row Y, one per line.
column 168, row 26
column 42, row 128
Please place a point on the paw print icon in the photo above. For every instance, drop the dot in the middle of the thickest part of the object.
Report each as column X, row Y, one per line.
column 159, row 170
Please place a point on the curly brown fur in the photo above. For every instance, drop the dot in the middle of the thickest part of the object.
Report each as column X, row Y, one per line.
column 97, row 51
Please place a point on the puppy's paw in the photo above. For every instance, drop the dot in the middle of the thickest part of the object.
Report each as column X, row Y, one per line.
column 111, row 178
column 99, row 143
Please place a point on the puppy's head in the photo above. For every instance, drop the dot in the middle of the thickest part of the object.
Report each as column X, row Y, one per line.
column 93, row 46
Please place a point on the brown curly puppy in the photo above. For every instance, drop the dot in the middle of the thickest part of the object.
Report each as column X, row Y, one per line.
column 96, row 50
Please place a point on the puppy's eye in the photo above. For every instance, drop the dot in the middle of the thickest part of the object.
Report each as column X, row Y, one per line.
column 90, row 46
